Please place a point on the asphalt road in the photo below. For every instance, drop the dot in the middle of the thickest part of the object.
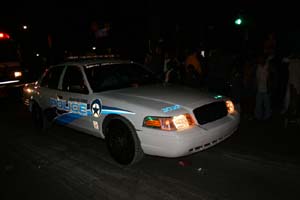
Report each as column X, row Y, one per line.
column 260, row 161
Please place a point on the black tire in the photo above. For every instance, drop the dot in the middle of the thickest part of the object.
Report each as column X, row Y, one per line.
column 38, row 119
column 123, row 142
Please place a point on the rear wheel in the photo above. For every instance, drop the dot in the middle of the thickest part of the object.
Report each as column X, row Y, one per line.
column 122, row 142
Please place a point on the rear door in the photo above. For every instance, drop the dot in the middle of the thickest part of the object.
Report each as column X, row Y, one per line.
column 49, row 86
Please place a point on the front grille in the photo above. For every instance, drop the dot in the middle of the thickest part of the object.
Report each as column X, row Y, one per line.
column 210, row 112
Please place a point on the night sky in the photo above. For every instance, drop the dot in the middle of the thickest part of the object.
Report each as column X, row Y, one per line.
column 137, row 21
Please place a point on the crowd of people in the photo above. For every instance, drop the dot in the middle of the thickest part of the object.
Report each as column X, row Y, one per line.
column 262, row 83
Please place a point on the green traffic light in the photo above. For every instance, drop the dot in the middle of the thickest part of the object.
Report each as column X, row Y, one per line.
column 238, row 21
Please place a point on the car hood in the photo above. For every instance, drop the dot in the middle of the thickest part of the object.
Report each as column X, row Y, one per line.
column 165, row 94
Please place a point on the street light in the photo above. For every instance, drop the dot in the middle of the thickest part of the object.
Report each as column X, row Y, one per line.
column 25, row 27
column 238, row 21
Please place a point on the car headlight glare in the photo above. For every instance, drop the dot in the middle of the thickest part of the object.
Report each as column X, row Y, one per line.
column 17, row 74
column 230, row 107
column 29, row 90
column 180, row 122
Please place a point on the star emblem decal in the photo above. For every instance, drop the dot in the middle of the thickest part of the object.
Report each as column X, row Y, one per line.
column 96, row 108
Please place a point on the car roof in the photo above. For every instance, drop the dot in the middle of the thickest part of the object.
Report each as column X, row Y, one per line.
column 91, row 61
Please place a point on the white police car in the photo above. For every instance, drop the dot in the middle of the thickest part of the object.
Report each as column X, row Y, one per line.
column 134, row 112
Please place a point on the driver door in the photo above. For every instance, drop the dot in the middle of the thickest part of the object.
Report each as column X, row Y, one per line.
column 75, row 94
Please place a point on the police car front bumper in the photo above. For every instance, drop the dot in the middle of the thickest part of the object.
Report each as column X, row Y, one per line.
column 176, row 144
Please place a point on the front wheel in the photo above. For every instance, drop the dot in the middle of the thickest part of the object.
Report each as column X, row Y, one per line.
column 122, row 142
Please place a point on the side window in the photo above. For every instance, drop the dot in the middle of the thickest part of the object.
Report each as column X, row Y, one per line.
column 51, row 79
column 73, row 81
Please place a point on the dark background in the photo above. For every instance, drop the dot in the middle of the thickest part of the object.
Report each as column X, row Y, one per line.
column 207, row 24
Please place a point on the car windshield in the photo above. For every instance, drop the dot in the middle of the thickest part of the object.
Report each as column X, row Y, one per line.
column 117, row 76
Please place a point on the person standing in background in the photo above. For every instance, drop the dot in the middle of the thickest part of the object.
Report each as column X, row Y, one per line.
column 263, row 102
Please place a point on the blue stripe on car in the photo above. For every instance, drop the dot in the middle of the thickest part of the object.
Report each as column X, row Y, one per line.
column 67, row 118
column 113, row 110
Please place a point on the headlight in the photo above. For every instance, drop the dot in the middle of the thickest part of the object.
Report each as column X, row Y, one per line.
column 17, row 74
column 180, row 122
column 29, row 90
column 230, row 107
